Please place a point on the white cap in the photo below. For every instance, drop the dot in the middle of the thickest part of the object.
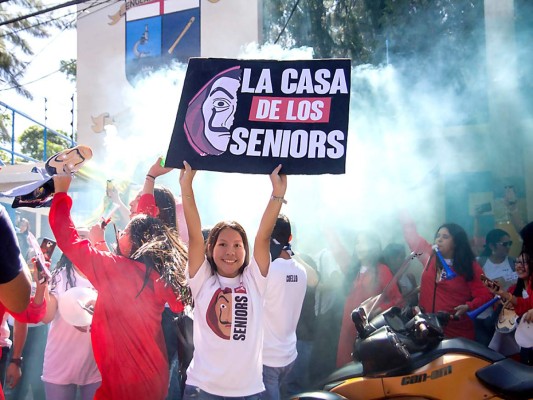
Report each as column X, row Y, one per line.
column 524, row 334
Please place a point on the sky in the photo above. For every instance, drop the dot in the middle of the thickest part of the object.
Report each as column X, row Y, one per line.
column 43, row 79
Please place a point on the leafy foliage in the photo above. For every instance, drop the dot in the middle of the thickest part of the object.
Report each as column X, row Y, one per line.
column 69, row 68
column 5, row 121
column 431, row 43
column 13, row 39
column 32, row 143
column 365, row 30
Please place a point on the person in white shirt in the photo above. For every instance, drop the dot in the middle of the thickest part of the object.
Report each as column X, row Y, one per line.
column 286, row 287
column 228, row 285
column 69, row 363
column 500, row 267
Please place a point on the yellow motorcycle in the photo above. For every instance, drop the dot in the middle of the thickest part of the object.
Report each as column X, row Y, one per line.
column 402, row 354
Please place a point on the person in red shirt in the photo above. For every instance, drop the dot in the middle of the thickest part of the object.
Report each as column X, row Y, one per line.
column 371, row 278
column 464, row 292
column 133, row 287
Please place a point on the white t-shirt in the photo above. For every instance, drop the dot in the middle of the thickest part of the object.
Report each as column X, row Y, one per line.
column 286, row 286
column 228, row 332
column 502, row 272
column 68, row 357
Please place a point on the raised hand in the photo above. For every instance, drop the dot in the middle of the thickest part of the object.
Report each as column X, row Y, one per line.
column 279, row 182
column 157, row 170
column 186, row 177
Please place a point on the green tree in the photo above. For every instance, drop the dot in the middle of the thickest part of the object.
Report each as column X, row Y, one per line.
column 368, row 30
column 13, row 39
column 5, row 121
column 32, row 142
column 68, row 67
column 436, row 43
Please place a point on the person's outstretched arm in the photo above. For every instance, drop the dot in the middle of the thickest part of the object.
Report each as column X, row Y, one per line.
column 15, row 279
column 155, row 171
column 262, row 239
column 192, row 218
column 123, row 209
column 15, row 294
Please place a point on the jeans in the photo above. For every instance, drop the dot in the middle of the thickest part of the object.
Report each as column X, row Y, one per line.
column 32, row 367
column 273, row 378
column 298, row 379
column 171, row 342
column 195, row 393
column 68, row 392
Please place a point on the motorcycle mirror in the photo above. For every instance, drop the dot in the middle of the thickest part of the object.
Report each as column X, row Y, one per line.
column 360, row 321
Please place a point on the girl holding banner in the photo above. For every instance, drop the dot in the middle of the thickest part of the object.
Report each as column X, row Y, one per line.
column 228, row 287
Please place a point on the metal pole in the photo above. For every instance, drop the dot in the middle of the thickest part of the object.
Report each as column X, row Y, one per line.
column 12, row 137
column 45, row 136
column 72, row 121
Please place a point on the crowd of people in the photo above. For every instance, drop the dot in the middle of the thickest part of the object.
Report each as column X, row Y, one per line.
column 182, row 311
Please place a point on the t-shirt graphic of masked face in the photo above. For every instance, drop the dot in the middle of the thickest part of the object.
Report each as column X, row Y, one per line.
column 227, row 306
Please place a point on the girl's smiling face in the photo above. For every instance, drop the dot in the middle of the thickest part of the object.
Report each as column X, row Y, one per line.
column 229, row 253
column 522, row 267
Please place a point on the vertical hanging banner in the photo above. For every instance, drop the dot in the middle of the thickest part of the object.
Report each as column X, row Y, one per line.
column 248, row 116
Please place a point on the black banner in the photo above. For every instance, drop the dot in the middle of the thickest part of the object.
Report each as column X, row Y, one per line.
column 249, row 116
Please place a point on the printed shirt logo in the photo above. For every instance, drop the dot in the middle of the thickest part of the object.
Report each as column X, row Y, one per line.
column 227, row 314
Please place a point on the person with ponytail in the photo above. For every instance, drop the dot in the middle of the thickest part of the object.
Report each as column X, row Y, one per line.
column 133, row 286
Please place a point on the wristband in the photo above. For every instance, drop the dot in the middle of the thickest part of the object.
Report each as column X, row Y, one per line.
column 150, row 176
column 279, row 199
column 16, row 361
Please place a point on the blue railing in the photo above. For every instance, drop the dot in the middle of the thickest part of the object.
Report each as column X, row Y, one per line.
column 46, row 131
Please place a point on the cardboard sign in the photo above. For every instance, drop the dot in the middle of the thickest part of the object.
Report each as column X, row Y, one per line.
column 248, row 116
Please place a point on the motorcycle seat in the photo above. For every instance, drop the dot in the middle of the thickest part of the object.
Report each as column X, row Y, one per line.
column 508, row 378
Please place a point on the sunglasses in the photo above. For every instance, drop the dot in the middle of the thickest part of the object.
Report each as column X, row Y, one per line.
column 509, row 243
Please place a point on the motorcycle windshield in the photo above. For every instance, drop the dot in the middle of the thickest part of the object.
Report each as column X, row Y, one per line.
column 402, row 290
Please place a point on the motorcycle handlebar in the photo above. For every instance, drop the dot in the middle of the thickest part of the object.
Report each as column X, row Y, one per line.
column 445, row 317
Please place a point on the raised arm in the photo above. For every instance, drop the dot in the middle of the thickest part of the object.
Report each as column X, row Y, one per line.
column 155, row 171
column 262, row 239
column 123, row 209
column 15, row 282
column 192, row 218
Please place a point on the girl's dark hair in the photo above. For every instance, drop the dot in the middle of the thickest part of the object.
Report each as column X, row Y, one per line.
column 64, row 264
column 526, row 233
column 166, row 203
column 212, row 238
column 159, row 247
column 463, row 255
column 520, row 284
column 494, row 236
